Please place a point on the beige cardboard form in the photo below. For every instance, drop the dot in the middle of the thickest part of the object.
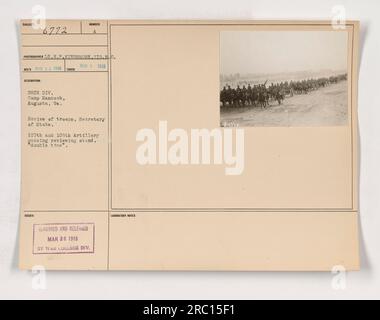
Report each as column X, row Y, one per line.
column 88, row 87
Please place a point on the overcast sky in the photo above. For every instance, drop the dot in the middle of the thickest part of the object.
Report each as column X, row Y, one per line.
column 282, row 51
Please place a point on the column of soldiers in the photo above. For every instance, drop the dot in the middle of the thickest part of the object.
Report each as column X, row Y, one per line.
column 261, row 95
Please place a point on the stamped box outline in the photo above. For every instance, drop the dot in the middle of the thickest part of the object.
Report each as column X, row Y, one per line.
column 62, row 224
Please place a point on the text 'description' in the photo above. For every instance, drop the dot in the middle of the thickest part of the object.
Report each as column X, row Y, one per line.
column 64, row 238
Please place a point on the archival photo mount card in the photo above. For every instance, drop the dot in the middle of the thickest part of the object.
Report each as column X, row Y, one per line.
column 189, row 145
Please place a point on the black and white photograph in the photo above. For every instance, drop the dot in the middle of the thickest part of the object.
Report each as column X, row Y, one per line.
column 283, row 78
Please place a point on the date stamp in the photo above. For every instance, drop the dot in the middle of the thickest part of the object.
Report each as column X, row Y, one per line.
column 64, row 238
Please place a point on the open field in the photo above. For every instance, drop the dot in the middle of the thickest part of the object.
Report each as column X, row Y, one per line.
column 324, row 107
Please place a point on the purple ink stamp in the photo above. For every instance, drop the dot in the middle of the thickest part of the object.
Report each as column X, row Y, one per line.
column 64, row 238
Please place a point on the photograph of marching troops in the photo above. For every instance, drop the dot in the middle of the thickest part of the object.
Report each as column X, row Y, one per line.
column 261, row 96
column 283, row 78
